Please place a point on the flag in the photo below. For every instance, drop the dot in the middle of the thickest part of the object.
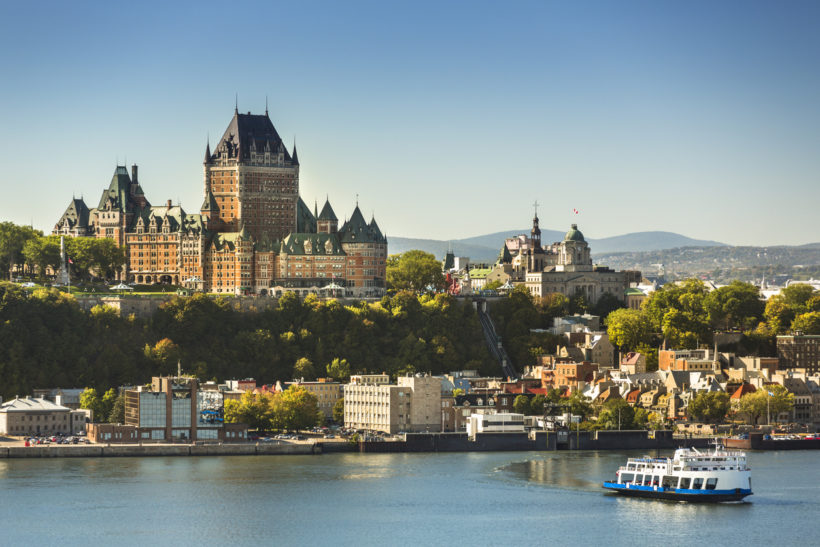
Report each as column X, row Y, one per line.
column 70, row 261
column 575, row 211
column 771, row 394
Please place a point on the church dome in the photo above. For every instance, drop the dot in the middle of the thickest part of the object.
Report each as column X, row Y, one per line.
column 574, row 234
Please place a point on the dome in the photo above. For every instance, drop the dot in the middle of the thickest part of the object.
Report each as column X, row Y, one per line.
column 574, row 234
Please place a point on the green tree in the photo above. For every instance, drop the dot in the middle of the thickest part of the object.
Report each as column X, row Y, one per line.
column 807, row 323
column 252, row 409
column 779, row 315
column 339, row 411
column 414, row 271
column 338, row 369
column 457, row 392
column 678, row 311
column 606, row 304
column 628, row 328
column 108, row 401
column 538, row 405
column 13, row 239
column 616, row 414
column 304, row 369
column 580, row 405
column 91, row 401
column 736, row 305
column 709, row 406
column 521, row 405
column 42, row 253
column 770, row 400
column 117, row 415
column 797, row 296
column 296, row 408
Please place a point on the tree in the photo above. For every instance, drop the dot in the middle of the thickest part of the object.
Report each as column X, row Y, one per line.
column 770, row 400
column 628, row 328
column 797, row 296
column 709, row 406
column 42, row 253
column 338, row 369
column 779, row 315
column 521, row 405
column 807, row 323
column 117, row 415
column 616, row 414
column 339, row 411
column 736, row 305
column 13, row 239
column 606, row 304
column 580, row 405
column 457, row 392
column 304, row 369
column 296, row 408
column 414, row 271
column 538, row 405
column 678, row 311
column 251, row 409
column 91, row 401
column 108, row 401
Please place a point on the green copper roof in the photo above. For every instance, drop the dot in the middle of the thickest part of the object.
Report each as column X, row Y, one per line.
column 574, row 234
column 305, row 220
column 312, row 244
column 327, row 212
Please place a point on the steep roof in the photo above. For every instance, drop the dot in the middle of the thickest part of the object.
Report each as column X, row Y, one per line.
column 209, row 203
column 248, row 132
column 327, row 212
column 118, row 191
column 76, row 214
column 357, row 230
column 305, row 220
column 312, row 244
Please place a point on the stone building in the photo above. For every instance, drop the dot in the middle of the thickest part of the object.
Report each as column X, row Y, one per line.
column 413, row 404
column 37, row 416
column 252, row 233
column 562, row 267
column 799, row 351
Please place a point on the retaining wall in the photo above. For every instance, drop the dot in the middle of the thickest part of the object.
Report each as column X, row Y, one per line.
column 96, row 451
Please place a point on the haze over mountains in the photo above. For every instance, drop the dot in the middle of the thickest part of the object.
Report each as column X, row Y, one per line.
column 485, row 248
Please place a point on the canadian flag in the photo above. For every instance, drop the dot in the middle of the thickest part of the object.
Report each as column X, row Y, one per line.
column 70, row 261
column 575, row 211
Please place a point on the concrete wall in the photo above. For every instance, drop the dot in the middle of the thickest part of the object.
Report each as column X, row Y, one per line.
column 91, row 451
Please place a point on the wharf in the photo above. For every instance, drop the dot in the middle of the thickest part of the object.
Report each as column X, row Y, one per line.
column 757, row 442
column 149, row 450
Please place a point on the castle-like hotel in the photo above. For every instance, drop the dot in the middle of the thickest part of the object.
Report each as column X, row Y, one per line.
column 252, row 234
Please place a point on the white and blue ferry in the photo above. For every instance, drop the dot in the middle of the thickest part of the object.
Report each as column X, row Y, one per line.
column 691, row 475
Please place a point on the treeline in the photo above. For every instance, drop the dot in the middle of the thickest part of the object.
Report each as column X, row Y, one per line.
column 686, row 316
column 46, row 340
column 34, row 254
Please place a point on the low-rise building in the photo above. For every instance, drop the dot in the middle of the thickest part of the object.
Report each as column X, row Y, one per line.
column 38, row 416
column 326, row 390
column 495, row 423
column 411, row 405
column 176, row 409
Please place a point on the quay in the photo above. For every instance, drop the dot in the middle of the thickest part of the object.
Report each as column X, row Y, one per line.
column 149, row 450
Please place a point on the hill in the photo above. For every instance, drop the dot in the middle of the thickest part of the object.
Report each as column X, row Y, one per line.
column 485, row 248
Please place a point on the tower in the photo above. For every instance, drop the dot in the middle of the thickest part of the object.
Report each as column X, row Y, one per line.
column 535, row 233
column 252, row 180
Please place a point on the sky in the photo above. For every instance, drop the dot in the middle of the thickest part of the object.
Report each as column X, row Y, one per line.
column 447, row 119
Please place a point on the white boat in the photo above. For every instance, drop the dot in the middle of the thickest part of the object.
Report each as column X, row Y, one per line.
column 691, row 475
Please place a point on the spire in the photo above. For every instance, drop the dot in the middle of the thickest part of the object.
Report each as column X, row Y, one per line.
column 266, row 105
column 315, row 208
column 208, row 150
column 294, row 156
column 236, row 104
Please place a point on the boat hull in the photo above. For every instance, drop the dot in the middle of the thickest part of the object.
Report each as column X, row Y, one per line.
column 702, row 496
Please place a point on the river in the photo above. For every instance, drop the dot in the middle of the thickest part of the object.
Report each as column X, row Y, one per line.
column 528, row 498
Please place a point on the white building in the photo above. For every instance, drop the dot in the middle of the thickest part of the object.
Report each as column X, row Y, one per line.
column 504, row 422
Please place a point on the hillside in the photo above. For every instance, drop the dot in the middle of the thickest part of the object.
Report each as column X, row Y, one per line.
column 485, row 248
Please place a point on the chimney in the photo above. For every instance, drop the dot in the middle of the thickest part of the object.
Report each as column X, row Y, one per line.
column 169, row 203
column 134, row 173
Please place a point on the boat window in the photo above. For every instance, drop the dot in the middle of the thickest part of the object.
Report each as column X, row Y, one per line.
column 669, row 481
column 697, row 483
column 647, row 480
column 685, row 482
column 711, row 483
column 627, row 477
column 638, row 479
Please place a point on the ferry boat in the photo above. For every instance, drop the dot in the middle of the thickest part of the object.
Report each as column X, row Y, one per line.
column 691, row 475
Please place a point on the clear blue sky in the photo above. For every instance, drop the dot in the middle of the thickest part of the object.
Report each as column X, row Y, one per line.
column 447, row 119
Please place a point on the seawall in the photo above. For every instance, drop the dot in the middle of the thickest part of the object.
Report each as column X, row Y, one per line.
column 106, row 451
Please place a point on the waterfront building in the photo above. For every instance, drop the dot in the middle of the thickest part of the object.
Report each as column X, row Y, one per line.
column 413, row 404
column 38, row 416
column 176, row 409
column 495, row 423
column 327, row 393
column 252, row 234
column 66, row 397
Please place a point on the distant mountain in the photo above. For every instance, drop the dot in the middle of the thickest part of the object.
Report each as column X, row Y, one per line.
column 485, row 248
